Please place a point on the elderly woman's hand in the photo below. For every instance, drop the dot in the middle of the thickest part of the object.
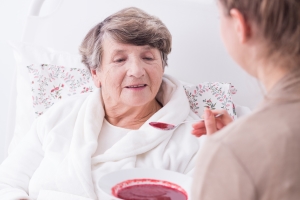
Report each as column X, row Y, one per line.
column 211, row 124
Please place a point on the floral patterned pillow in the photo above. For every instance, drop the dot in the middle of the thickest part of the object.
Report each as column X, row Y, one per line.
column 51, row 83
column 213, row 95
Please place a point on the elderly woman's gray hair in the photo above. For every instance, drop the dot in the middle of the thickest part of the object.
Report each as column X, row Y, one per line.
column 128, row 26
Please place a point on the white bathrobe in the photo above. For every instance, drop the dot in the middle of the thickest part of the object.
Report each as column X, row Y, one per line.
column 54, row 161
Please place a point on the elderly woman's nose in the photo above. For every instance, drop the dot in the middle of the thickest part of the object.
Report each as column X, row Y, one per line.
column 136, row 69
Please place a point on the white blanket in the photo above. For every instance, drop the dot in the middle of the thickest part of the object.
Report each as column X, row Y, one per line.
column 56, row 155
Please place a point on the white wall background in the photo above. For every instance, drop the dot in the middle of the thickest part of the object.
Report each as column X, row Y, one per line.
column 12, row 19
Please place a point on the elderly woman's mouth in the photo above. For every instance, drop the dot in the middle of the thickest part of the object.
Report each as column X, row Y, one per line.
column 136, row 87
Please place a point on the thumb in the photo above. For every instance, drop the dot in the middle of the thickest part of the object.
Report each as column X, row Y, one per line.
column 210, row 122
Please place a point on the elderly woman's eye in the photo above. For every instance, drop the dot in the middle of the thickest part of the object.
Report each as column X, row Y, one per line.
column 148, row 58
column 119, row 60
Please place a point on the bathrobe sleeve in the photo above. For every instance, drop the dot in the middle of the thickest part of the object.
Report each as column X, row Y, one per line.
column 192, row 163
column 18, row 168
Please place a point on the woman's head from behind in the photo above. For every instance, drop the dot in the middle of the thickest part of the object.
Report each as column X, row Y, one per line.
column 127, row 53
column 271, row 26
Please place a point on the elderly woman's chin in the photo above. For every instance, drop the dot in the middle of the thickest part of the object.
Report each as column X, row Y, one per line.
column 138, row 96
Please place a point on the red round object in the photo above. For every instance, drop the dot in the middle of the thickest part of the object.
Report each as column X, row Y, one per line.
column 148, row 189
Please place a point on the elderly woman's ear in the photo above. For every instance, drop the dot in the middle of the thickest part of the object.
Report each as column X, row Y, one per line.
column 96, row 79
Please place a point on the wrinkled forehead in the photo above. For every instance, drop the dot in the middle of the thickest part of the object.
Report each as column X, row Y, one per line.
column 111, row 46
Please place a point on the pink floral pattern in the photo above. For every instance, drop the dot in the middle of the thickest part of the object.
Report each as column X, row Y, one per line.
column 213, row 95
column 51, row 83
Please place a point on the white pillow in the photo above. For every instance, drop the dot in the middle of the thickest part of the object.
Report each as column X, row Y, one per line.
column 212, row 95
column 45, row 76
column 51, row 83
column 41, row 68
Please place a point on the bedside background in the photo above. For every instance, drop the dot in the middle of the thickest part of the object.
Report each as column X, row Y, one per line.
column 12, row 18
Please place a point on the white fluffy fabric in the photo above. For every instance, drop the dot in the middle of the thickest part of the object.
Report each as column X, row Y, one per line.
column 56, row 155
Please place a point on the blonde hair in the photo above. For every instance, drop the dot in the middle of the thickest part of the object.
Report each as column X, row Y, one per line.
column 128, row 26
column 277, row 20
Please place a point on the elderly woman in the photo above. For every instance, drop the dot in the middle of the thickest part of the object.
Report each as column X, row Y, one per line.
column 257, row 157
column 84, row 137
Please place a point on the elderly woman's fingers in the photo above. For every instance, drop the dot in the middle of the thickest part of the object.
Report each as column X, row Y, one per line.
column 210, row 122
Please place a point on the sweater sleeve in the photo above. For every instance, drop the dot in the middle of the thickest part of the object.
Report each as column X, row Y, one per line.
column 220, row 175
column 17, row 169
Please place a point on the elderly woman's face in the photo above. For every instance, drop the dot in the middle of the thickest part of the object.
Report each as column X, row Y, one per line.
column 129, row 75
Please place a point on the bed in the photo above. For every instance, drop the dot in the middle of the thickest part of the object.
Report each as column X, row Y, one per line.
column 197, row 54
